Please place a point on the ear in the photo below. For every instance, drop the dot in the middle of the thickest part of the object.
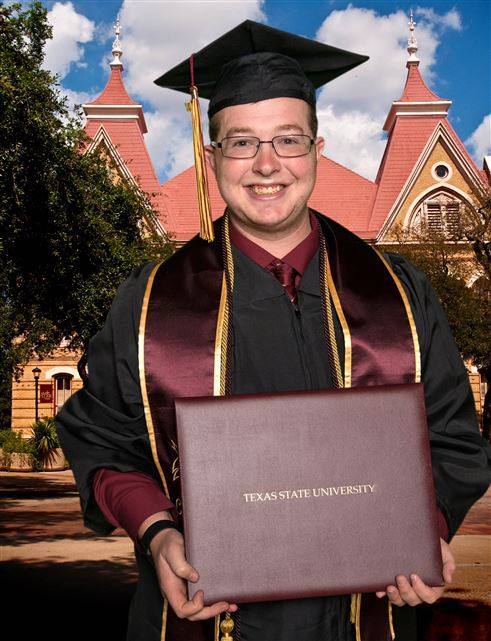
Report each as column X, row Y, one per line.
column 210, row 157
column 319, row 146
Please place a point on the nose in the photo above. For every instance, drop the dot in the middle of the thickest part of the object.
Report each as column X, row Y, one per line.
column 266, row 161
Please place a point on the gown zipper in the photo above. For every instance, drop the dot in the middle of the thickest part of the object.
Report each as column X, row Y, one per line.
column 300, row 335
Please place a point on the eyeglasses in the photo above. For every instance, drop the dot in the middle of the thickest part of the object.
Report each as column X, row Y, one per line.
column 247, row 146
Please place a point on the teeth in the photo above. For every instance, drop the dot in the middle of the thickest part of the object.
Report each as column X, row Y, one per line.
column 266, row 190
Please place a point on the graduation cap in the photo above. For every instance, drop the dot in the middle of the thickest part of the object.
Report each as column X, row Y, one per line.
column 249, row 63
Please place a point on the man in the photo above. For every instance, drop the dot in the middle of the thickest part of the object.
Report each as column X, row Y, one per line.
column 256, row 311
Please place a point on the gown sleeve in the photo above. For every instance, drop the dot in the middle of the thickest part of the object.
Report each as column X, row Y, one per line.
column 460, row 456
column 103, row 424
column 127, row 499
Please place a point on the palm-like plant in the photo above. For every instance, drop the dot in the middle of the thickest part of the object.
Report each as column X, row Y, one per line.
column 44, row 440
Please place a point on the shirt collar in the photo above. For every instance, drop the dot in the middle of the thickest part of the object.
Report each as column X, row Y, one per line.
column 298, row 258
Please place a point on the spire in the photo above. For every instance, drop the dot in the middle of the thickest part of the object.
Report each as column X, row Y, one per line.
column 114, row 103
column 412, row 44
column 417, row 100
column 117, row 51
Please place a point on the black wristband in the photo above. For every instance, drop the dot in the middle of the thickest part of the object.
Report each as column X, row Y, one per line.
column 152, row 530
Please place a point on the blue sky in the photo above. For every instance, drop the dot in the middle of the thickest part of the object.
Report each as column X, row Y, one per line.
column 454, row 50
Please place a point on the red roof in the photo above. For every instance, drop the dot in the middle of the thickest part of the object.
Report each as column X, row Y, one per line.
column 415, row 89
column 343, row 195
column 127, row 137
column 114, row 93
column 406, row 142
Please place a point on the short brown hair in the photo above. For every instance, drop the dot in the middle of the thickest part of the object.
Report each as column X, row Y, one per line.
column 214, row 123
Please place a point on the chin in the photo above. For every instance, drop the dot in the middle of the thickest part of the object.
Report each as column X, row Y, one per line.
column 275, row 216
column 267, row 217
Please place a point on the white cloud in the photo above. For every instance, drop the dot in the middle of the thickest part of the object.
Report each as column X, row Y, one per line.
column 156, row 36
column 70, row 31
column 78, row 97
column 449, row 20
column 169, row 146
column 353, row 139
column 479, row 141
column 353, row 108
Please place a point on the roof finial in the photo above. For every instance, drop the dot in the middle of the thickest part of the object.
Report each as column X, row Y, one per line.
column 412, row 44
column 117, row 51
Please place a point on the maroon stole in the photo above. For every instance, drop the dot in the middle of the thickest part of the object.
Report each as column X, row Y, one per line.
column 183, row 339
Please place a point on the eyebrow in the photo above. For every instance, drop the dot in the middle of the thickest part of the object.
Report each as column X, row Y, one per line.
column 248, row 130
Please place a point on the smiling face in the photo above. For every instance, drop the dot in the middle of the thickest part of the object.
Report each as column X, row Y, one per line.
column 267, row 194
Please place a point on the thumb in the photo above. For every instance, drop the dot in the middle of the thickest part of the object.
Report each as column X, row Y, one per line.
column 448, row 570
column 448, row 563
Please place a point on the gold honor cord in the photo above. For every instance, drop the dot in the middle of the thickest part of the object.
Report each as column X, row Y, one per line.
column 204, row 207
column 220, row 354
column 330, row 295
column 355, row 613
column 225, row 626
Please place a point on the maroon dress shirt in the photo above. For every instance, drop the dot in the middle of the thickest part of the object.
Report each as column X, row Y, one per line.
column 128, row 498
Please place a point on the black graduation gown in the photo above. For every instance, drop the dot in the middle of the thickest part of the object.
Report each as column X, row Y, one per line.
column 276, row 348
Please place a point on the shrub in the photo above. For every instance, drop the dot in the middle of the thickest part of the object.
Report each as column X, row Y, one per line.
column 44, row 441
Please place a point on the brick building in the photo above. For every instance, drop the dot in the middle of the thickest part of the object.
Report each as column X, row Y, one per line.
column 426, row 175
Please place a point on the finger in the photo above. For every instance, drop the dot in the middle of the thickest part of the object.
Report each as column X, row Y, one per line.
column 178, row 564
column 210, row 611
column 425, row 592
column 380, row 594
column 406, row 591
column 394, row 596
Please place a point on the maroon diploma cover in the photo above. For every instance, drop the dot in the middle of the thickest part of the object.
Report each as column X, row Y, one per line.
column 303, row 494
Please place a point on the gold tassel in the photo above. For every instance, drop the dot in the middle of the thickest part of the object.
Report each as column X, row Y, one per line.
column 206, row 224
column 355, row 613
column 391, row 621
column 226, row 626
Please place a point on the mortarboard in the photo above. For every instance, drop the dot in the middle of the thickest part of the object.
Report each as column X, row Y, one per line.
column 249, row 63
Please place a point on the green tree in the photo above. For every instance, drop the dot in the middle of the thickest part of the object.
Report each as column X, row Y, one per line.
column 69, row 233
column 452, row 257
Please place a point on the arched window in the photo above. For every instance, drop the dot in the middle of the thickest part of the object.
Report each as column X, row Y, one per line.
column 438, row 212
column 63, row 389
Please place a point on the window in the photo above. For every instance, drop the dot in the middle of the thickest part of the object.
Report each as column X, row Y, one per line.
column 441, row 171
column 63, row 389
column 440, row 212
column 452, row 212
column 433, row 215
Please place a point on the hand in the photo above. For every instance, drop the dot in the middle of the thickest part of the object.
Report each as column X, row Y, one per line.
column 417, row 591
column 167, row 549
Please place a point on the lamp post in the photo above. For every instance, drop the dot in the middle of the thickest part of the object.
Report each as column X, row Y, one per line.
column 36, row 371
